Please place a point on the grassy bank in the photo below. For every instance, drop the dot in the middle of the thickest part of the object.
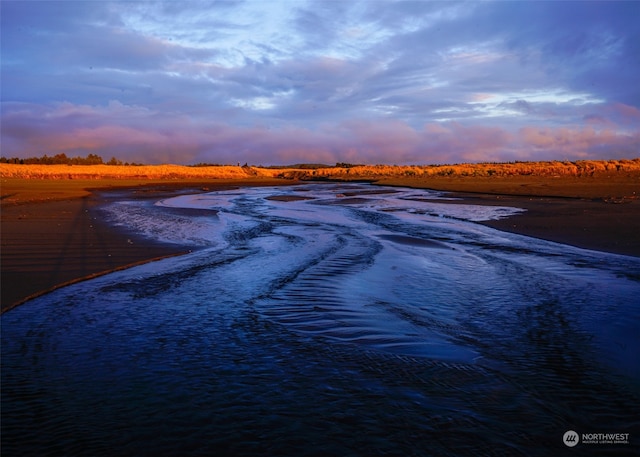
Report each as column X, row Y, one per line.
column 612, row 179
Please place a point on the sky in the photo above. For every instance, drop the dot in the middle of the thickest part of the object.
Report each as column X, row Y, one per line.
column 291, row 81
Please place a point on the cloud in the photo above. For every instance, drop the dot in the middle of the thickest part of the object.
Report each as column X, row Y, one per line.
column 136, row 133
column 521, row 106
column 586, row 142
column 343, row 81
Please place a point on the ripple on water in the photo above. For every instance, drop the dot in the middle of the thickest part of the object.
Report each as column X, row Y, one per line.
column 306, row 329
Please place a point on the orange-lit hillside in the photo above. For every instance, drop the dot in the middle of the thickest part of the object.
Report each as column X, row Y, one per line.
column 585, row 168
column 546, row 169
column 130, row 172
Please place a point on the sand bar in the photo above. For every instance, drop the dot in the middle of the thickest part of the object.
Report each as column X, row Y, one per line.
column 601, row 213
column 53, row 233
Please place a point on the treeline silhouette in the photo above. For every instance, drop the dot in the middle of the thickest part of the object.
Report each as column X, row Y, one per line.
column 63, row 159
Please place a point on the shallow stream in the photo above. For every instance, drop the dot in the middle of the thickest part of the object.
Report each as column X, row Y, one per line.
column 328, row 319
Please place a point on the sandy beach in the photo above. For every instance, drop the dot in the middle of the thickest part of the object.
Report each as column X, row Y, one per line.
column 600, row 212
column 51, row 242
column 55, row 234
column 47, row 244
column 586, row 223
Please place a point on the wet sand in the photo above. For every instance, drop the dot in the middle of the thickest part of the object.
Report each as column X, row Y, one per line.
column 589, row 224
column 601, row 213
column 586, row 223
column 49, row 243
column 58, row 237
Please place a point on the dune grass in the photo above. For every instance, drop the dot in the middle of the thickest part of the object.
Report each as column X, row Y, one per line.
column 613, row 179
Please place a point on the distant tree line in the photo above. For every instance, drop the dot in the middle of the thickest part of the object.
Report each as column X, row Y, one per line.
column 205, row 164
column 63, row 159
column 91, row 159
column 347, row 165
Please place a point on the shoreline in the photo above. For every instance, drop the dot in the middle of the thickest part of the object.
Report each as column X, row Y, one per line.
column 47, row 244
column 86, row 278
column 57, row 235
column 593, row 224
column 595, row 213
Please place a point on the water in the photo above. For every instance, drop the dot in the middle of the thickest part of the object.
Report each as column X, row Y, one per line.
column 356, row 321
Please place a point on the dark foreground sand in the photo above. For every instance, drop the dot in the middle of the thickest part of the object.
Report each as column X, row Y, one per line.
column 600, row 213
column 51, row 243
column 589, row 224
column 47, row 244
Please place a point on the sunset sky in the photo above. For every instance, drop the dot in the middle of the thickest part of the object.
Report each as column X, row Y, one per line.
column 284, row 82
